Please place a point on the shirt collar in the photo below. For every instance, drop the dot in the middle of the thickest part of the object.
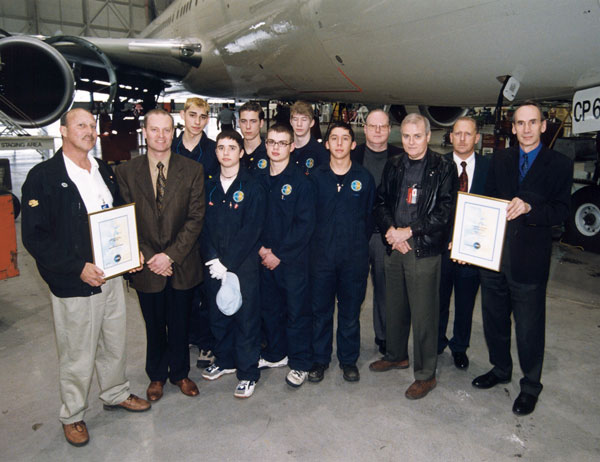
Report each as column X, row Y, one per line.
column 468, row 160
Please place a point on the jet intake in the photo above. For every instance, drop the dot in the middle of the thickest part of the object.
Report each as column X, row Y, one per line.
column 443, row 116
column 36, row 81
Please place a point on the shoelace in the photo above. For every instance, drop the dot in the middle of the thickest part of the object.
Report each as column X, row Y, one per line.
column 243, row 384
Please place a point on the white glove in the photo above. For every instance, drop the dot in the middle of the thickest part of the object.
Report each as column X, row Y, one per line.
column 217, row 269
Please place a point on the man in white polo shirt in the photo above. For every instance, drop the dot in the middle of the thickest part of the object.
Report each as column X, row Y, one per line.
column 89, row 311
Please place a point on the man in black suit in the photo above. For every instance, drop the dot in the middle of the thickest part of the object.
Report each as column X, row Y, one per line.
column 373, row 155
column 537, row 182
column 464, row 279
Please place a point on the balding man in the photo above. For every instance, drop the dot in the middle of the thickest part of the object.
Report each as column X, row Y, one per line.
column 88, row 311
column 373, row 155
column 168, row 191
column 463, row 279
column 537, row 182
column 414, row 206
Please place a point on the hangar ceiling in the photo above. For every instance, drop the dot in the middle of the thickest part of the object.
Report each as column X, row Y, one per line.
column 92, row 18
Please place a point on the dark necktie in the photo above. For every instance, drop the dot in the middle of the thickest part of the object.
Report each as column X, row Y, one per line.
column 161, row 182
column 524, row 167
column 463, row 178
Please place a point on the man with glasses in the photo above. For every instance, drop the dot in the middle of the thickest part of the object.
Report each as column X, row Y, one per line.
column 308, row 152
column 373, row 155
column 252, row 119
column 284, row 253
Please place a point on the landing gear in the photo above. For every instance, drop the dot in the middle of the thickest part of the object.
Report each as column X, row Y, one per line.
column 583, row 227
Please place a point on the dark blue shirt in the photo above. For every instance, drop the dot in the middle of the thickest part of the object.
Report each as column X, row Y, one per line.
column 344, row 217
column 310, row 156
column 290, row 218
column 204, row 152
column 234, row 220
column 531, row 155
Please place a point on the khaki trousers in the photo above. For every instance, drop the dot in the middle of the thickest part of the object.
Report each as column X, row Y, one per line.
column 90, row 332
column 412, row 292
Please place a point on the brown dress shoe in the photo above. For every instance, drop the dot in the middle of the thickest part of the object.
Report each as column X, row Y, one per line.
column 420, row 388
column 155, row 390
column 383, row 365
column 76, row 433
column 131, row 404
column 187, row 387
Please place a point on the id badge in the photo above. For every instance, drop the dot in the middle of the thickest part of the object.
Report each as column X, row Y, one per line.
column 411, row 195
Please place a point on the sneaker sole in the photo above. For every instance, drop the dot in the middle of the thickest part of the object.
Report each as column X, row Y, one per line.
column 215, row 377
column 273, row 367
column 242, row 396
column 292, row 384
column 316, row 379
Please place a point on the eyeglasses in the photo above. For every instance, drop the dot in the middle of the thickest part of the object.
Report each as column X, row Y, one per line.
column 281, row 144
column 377, row 127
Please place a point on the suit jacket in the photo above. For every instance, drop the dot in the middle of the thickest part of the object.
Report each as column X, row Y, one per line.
column 547, row 188
column 482, row 165
column 175, row 231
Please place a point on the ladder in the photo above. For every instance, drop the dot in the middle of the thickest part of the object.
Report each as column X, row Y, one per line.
column 8, row 127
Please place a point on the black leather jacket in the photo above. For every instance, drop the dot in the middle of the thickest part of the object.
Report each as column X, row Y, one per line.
column 435, row 207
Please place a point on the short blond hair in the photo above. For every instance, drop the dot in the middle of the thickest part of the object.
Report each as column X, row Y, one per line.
column 195, row 101
column 302, row 108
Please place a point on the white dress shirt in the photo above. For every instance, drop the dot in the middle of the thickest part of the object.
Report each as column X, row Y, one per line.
column 91, row 186
column 470, row 166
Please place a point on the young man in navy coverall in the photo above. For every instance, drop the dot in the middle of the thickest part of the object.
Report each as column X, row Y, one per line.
column 194, row 144
column 285, row 303
column 308, row 152
column 252, row 119
column 235, row 214
column 340, row 253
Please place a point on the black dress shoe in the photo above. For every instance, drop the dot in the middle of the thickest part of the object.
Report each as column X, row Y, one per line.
column 488, row 380
column 317, row 372
column 351, row 373
column 524, row 404
column 461, row 360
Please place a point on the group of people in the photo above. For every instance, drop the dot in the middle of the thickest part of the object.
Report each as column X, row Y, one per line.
column 274, row 231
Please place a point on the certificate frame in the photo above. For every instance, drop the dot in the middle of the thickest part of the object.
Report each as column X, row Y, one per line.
column 479, row 230
column 114, row 238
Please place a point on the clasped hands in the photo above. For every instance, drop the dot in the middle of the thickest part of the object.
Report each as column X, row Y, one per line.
column 398, row 239
column 269, row 260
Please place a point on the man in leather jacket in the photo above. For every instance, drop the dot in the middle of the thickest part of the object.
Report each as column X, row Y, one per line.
column 414, row 209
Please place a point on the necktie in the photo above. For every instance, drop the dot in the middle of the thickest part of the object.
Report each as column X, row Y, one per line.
column 524, row 167
column 463, row 178
column 161, row 182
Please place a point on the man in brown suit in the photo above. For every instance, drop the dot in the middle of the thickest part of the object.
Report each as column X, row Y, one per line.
column 168, row 191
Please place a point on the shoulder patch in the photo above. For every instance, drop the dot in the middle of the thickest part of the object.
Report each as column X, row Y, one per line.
column 310, row 162
column 238, row 196
column 286, row 189
column 356, row 185
column 262, row 163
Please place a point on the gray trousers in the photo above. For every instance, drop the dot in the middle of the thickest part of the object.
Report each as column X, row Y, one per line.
column 412, row 289
column 376, row 260
column 90, row 334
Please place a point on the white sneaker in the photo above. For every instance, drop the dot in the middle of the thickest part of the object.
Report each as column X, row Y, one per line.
column 244, row 389
column 263, row 363
column 296, row 378
column 213, row 372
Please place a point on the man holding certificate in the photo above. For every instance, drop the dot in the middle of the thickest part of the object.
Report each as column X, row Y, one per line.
column 463, row 279
column 168, row 191
column 537, row 182
column 414, row 207
column 88, row 310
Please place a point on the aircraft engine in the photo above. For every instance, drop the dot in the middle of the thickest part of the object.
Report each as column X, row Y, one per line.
column 36, row 81
column 442, row 116
column 438, row 116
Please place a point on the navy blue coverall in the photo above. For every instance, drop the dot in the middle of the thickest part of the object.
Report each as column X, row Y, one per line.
column 340, row 260
column 232, row 227
column 285, row 296
column 205, row 153
column 258, row 159
column 310, row 156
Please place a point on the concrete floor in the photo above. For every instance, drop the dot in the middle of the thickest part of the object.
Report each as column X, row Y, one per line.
column 330, row 421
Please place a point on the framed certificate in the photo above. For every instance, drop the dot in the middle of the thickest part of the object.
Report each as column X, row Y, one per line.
column 114, row 239
column 479, row 226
